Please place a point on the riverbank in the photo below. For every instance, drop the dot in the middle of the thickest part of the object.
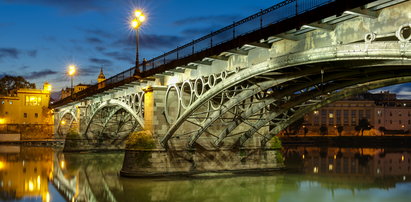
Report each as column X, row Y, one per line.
column 348, row 141
column 36, row 142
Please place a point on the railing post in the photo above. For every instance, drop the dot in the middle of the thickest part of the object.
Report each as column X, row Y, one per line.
column 192, row 47
column 177, row 52
column 296, row 7
column 164, row 58
column 261, row 18
column 234, row 30
column 211, row 39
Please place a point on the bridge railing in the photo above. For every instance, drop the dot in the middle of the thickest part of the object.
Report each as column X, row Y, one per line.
column 277, row 13
column 264, row 18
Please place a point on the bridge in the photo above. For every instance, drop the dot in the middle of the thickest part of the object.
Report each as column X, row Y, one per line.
column 238, row 87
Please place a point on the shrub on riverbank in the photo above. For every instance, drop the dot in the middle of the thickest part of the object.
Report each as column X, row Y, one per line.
column 140, row 140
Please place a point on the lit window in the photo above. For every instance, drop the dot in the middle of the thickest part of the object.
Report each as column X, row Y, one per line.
column 11, row 102
column 33, row 100
column 2, row 102
column 330, row 115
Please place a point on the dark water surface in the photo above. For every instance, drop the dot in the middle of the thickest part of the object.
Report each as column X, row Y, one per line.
column 312, row 174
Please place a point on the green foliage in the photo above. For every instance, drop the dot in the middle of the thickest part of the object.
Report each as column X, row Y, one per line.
column 8, row 83
column 73, row 135
column 140, row 140
column 279, row 157
column 275, row 143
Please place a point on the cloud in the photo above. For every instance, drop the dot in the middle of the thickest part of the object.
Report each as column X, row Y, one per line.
column 91, row 70
column 100, row 48
column 152, row 42
column 68, row 6
column 94, row 40
column 9, row 53
column 32, row 53
column 197, row 31
column 101, row 62
column 4, row 24
column 221, row 19
column 120, row 56
column 39, row 74
column 97, row 32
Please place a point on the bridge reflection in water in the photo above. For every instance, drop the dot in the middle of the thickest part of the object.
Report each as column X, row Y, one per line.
column 313, row 174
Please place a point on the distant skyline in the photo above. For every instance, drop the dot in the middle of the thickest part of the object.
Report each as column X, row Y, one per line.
column 40, row 38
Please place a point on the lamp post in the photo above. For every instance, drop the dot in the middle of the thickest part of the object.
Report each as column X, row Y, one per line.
column 71, row 71
column 138, row 20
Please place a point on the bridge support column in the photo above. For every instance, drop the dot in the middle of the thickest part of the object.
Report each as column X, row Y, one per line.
column 157, row 163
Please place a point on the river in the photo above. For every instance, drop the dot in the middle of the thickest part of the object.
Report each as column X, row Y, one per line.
column 311, row 174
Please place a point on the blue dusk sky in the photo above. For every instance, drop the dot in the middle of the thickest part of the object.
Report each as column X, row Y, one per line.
column 40, row 38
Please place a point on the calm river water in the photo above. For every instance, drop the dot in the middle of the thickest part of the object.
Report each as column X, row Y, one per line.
column 312, row 174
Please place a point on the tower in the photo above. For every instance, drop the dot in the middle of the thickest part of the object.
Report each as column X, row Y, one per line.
column 101, row 76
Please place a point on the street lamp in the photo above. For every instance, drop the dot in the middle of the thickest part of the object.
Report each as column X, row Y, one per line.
column 138, row 20
column 71, row 71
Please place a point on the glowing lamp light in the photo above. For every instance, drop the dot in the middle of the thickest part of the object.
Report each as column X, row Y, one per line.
column 138, row 13
column 135, row 24
column 71, row 70
column 31, row 186
column 142, row 18
column 2, row 121
column 63, row 122
column 2, row 165
column 138, row 20
column 47, row 87
column 62, row 164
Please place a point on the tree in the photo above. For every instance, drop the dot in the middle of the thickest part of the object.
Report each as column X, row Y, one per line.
column 363, row 124
column 340, row 130
column 382, row 129
column 323, row 130
column 294, row 127
column 8, row 83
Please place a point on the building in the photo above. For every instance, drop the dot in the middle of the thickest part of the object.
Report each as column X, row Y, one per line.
column 26, row 106
column 383, row 111
column 66, row 92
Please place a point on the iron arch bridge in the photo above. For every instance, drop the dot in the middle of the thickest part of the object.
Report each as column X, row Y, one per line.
column 232, row 108
column 244, row 96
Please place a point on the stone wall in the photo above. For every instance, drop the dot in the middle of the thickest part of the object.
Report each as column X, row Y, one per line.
column 29, row 131
column 146, row 163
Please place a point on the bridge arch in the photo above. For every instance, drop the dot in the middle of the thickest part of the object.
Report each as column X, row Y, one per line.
column 375, row 61
column 66, row 122
column 113, row 113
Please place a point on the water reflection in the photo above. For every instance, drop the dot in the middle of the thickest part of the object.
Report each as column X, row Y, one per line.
column 351, row 167
column 314, row 174
column 24, row 172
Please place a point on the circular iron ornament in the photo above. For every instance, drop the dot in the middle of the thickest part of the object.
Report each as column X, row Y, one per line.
column 216, row 106
column 190, row 88
column 199, row 82
column 136, row 102
column 167, row 116
column 370, row 37
column 404, row 33
column 211, row 80
column 229, row 94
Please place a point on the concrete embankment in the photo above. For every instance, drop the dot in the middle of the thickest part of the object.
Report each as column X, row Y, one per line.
column 349, row 141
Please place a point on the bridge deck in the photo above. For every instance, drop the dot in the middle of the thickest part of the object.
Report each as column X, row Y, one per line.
column 255, row 30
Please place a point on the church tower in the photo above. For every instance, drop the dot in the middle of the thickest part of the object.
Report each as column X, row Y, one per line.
column 101, row 76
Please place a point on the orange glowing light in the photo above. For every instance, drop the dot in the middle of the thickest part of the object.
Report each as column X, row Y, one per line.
column 71, row 70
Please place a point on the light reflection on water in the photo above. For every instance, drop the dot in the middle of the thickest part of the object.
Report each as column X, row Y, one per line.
column 313, row 174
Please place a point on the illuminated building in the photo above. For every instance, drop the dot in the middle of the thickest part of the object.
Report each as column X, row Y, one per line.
column 382, row 111
column 26, row 106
